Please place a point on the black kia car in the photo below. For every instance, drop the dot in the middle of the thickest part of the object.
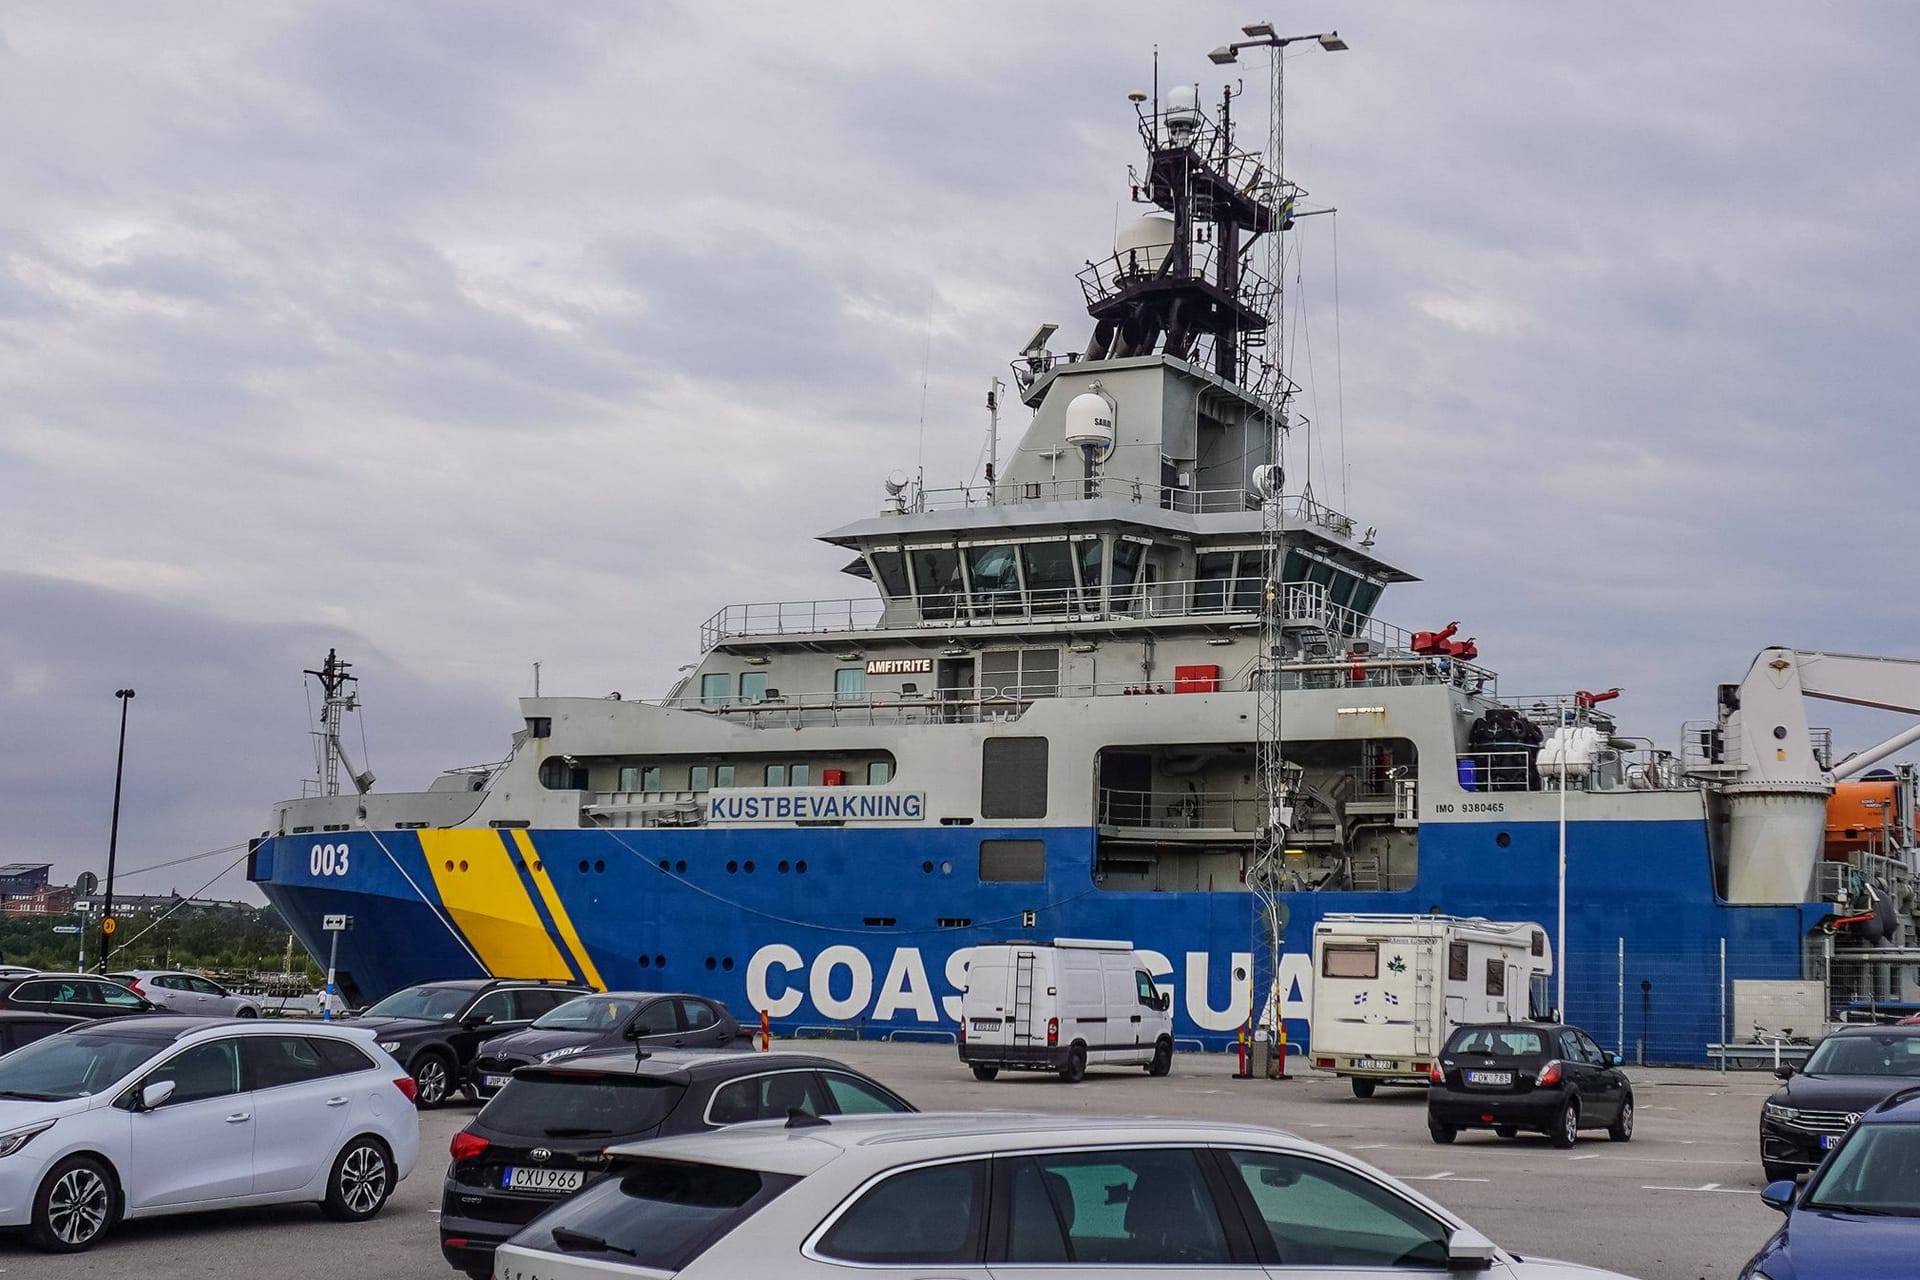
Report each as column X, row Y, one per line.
column 610, row 1020
column 1852, row 1071
column 545, row 1136
column 1510, row 1076
column 435, row 1029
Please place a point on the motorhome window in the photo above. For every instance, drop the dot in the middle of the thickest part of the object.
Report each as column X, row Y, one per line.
column 776, row 775
column 936, row 578
column 1539, row 943
column 1013, row 861
column 1013, row 778
column 800, row 774
column 723, row 775
column 629, row 778
column 1049, row 568
column 893, row 572
column 996, row 579
column 650, row 778
column 698, row 777
column 1539, row 999
column 1457, row 962
column 753, row 686
column 1350, row 960
column 714, row 689
column 1210, row 573
column 879, row 773
column 850, row 684
column 1496, row 976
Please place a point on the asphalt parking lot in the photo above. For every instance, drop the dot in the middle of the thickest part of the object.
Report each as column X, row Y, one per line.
column 1680, row 1202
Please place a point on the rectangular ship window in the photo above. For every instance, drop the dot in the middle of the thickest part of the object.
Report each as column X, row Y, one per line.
column 1013, row 861
column 1350, row 960
column 879, row 773
column 1013, row 778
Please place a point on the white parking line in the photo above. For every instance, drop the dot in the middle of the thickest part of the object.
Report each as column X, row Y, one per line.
column 1445, row 1176
column 1708, row 1186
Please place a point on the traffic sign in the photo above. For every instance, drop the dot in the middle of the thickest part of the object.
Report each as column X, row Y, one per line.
column 336, row 924
column 86, row 884
column 108, row 926
column 66, row 928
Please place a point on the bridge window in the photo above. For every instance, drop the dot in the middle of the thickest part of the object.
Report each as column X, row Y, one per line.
column 850, row 684
column 892, row 570
column 936, row 578
column 753, row 686
column 1049, row 568
column 1249, row 582
column 1210, row 572
column 715, row 688
column 996, row 578
column 1088, row 552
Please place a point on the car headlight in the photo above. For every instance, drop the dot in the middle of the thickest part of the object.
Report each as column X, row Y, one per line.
column 568, row 1052
column 391, row 1046
column 18, row 1138
column 1774, row 1111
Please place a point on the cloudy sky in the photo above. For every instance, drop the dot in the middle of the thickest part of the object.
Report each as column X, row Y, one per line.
column 465, row 336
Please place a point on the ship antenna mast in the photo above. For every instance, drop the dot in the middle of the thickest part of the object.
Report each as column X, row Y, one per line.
column 1266, row 873
column 340, row 699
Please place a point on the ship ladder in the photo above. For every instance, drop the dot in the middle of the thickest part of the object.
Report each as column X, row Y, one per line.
column 1023, row 996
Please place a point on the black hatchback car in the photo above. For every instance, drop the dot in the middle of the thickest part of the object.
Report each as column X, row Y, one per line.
column 544, row 1137
column 79, row 995
column 1848, row 1073
column 610, row 1020
column 1509, row 1076
column 435, row 1029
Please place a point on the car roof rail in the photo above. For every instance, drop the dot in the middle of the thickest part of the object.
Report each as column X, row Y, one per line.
column 1898, row 1097
column 798, row 1119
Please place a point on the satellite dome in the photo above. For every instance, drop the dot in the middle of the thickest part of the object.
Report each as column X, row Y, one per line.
column 1183, row 111
column 1090, row 421
column 1143, row 243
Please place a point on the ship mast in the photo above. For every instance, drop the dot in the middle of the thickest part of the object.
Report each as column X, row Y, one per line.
column 340, row 699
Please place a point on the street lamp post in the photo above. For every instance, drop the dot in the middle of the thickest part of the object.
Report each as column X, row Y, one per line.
column 113, row 832
column 1263, row 37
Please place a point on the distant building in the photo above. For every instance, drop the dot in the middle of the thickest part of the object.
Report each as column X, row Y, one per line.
column 18, row 878
column 48, row 900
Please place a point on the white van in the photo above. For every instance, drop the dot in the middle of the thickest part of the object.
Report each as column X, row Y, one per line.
column 1062, row 1006
column 1388, row 990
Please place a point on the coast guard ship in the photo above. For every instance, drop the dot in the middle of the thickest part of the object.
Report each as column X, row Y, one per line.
column 1131, row 686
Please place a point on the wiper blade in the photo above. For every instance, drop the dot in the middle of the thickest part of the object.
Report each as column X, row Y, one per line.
column 1869, row 1210
column 575, row 1241
column 563, row 1131
column 31, row 1097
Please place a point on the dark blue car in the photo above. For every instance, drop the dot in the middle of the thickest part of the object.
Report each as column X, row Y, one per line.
column 1859, row 1214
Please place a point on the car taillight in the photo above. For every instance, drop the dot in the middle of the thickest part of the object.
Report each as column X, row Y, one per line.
column 405, row 1085
column 1053, row 1032
column 133, row 985
column 465, row 1146
column 1436, row 1075
column 963, row 1031
column 1549, row 1074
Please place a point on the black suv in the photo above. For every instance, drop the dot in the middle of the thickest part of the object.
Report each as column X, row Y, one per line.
column 1850, row 1072
column 435, row 1029
column 82, row 995
column 610, row 1020
column 545, row 1136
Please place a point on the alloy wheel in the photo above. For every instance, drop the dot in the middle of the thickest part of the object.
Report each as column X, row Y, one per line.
column 77, row 1206
column 430, row 1082
column 363, row 1179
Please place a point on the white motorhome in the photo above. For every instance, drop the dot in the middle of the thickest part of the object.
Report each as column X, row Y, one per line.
column 1388, row 990
column 1062, row 1006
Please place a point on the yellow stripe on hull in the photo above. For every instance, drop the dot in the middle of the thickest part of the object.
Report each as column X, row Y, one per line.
column 561, row 920
column 483, row 893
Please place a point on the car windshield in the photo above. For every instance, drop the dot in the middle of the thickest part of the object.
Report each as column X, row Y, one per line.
column 1872, row 1055
column 578, row 1104
column 1506, row 1042
column 441, row 1003
column 73, row 1066
column 593, row 1013
column 1876, row 1172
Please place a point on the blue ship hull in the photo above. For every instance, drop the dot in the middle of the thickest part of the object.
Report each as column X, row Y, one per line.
column 844, row 927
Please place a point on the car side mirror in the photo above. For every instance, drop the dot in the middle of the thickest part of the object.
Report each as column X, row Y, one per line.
column 1615, row 1060
column 156, row 1094
column 1468, row 1250
column 1780, row 1195
column 632, row 1032
column 1165, row 1001
column 1785, row 1073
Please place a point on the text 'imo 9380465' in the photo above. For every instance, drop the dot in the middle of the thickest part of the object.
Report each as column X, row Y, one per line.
column 1128, row 687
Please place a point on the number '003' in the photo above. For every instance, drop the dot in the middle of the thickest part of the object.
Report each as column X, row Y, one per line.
column 327, row 860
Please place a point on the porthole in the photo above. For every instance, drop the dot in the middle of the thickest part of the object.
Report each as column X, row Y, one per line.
column 598, row 865
column 584, row 866
column 946, row 868
column 645, row 962
column 1503, row 840
column 463, row 864
column 783, row 866
column 801, row 866
column 712, row 963
column 659, row 962
column 680, row 866
column 727, row 964
column 732, row 867
column 747, row 866
column 927, row 868
column 665, row 865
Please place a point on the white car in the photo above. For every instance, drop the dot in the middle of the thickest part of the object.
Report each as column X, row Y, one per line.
column 138, row 1117
column 187, row 993
column 909, row 1196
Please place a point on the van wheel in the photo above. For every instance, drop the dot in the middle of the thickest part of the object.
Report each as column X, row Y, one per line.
column 1076, row 1065
column 1162, row 1058
column 1362, row 1088
column 983, row 1072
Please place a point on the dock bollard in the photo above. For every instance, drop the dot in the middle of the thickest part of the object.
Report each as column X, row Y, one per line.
column 766, row 1032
